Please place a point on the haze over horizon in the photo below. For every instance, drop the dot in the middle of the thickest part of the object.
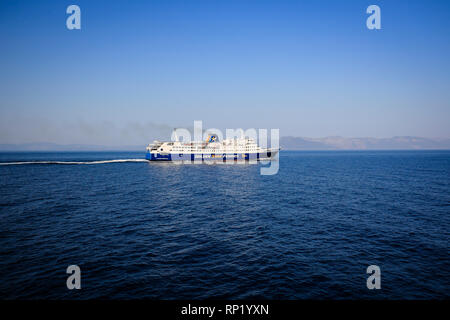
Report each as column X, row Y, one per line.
column 286, row 143
column 136, row 70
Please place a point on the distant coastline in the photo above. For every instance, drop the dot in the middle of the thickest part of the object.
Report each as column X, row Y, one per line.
column 50, row 147
column 286, row 143
column 341, row 143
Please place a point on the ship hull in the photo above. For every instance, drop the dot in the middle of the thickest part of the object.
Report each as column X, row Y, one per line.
column 200, row 157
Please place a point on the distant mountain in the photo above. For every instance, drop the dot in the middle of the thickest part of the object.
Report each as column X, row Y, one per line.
column 286, row 143
column 341, row 143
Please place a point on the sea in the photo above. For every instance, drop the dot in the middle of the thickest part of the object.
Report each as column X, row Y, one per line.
column 146, row 230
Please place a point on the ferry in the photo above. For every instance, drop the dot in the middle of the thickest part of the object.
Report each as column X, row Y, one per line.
column 236, row 149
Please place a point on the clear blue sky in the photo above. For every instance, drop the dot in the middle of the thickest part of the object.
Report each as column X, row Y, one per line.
column 309, row 68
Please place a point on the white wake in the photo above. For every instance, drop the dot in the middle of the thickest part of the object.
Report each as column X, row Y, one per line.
column 72, row 162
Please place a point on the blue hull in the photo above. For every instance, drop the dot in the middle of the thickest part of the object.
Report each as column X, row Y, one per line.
column 205, row 157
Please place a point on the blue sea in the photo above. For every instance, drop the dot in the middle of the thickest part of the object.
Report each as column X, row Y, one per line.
column 166, row 231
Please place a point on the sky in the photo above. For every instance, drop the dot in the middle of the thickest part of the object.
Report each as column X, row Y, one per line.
column 138, row 68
